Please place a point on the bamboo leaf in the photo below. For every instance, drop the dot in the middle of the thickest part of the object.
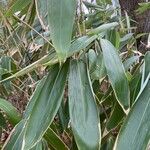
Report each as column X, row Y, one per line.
column 135, row 85
column 114, row 37
column 96, row 65
column 2, row 122
column 116, row 73
column 128, row 62
column 18, row 6
column 80, row 44
column 61, row 16
column 146, row 68
column 11, row 112
column 103, row 28
column 48, row 103
column 41, row 145
column 135, row 132
column 16, row 137
column 47, row 98
column 53, row 139
column 51, row 59
column 41, row 9
column 84, row 117
column 115, row 118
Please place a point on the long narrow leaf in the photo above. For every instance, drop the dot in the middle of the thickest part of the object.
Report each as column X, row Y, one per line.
column 11, row 112
column 116, row 73
column 135, row 134
column 54, row 140
column 61, row 16
column 115, row 118
column 47, row 98
column 16, row 137
column 48, row 104
column 84, row 117
column 103, row 28
column 146, row 68
column 80, row 44
column 51, row 59
column 18, row 6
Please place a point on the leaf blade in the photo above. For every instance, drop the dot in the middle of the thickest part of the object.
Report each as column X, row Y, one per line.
column 17, row 6
column 50, row 104
column 135, row 131
column 83, row 112
column 11, row 112
column 61, row 26
column 116, row 73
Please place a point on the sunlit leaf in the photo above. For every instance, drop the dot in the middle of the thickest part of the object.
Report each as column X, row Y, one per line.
column 61, row 15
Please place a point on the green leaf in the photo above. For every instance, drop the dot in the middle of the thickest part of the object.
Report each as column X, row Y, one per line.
column 103, row 28
column 125, row 40
column 61, row 16
column 128, row 62
column 91, row 5
column 18, row 6
column 115, row 118
column 2, row 122
column 63, row 115
column 96, row 65
column 47, row 98
column 135, row 85
column 108, row 144
column 16, row 137
column 143, row 7
column 53, row 139
column 116, row 73
column 84, row 117
column 41, row 145
column 48, row 103
column 80, row 44
column 114, row 38
column 11, row 112
column 41, row 9
column 135, row 134
column 146, row 69
column 51, row 59
column 15, row 141
column 6, row 63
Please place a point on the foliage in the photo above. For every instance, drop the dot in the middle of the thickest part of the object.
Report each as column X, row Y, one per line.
column 143, row 7
column 86, row 83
